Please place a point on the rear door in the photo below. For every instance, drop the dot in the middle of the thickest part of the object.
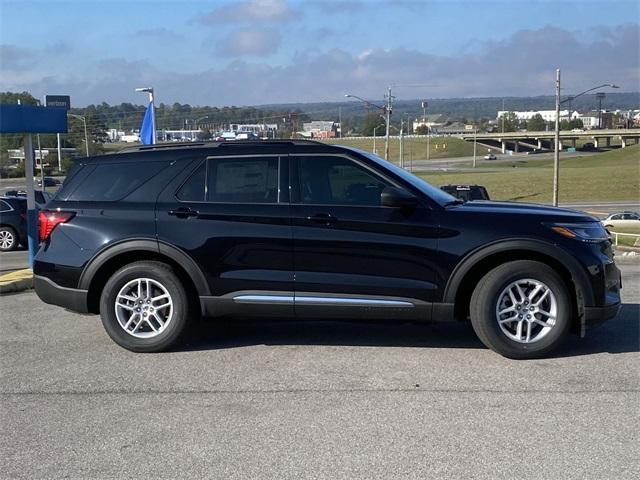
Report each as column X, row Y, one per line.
column 231, row 215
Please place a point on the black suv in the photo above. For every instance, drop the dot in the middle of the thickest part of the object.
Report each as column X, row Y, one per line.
column 156, row 236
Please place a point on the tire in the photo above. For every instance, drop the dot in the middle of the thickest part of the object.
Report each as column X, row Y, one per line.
column 8, row 239
column 499, row 331
column 162, row 326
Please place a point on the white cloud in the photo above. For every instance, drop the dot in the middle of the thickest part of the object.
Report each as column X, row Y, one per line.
column 250, row 11
column 250, row 41
column 524, row 64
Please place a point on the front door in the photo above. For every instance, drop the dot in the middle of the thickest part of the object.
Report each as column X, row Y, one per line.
column 232, row 217
column 352, row 256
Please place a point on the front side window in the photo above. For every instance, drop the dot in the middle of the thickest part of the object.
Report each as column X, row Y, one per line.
column 339, row 181
column 243, row 180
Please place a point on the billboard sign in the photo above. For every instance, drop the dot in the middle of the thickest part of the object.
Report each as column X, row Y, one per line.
column 58, row 101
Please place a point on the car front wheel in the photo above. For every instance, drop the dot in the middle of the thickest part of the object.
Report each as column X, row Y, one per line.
column 521, row 309
column 144, row 307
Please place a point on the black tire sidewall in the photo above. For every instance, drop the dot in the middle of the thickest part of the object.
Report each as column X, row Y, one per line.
column 165, row 276
column 15, row 239
column 485, row 298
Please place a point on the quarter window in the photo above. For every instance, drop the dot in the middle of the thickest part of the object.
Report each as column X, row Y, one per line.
column 193, row 189
column 338, row 180
column 4, row 206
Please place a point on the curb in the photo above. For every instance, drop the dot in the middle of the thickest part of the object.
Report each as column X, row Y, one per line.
column 16, row 281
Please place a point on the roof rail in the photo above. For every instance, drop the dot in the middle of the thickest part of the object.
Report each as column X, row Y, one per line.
column 212, row 144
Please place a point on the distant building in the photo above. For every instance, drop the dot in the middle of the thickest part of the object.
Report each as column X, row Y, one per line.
column 430, row 121
column 260, row 129
column 319, row 129
column 547, row 115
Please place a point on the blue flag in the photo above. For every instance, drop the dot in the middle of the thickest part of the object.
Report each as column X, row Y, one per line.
column 148, row 126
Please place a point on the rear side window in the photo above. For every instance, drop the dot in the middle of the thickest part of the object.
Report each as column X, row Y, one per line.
column 114, row 181
column 4, row 206
column 243, row 180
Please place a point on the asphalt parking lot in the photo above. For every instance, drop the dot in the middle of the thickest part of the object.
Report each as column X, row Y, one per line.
column 311, row 400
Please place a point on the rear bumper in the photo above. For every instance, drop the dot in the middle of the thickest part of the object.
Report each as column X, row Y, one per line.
column 52, row 293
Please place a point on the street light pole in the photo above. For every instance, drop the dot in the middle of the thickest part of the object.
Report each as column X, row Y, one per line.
column 86, row 137
column 475, row 134
column 556, row 143
column 387, row 110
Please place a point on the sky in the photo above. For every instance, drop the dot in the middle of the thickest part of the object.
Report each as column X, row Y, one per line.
column 253, row 52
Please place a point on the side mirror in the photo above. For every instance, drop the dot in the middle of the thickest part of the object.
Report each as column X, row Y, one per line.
column 397, row 198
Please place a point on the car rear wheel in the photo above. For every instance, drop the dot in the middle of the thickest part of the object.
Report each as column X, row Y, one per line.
column 144, row 307
column 521, row 309
column 8, row 239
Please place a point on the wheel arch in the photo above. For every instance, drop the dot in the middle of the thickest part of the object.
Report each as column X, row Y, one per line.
column 476, row 264
column 106, row 262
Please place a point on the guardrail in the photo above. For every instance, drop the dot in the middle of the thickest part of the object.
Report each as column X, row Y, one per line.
column 616, row 235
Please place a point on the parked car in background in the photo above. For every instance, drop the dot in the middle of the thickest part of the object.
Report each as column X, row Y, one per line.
column 467, row 192
column 41, row 197
column 48, row 182
column 490, row 156
column 589, row 146
column 247, row 136
column 13, row 223
column 622, row 219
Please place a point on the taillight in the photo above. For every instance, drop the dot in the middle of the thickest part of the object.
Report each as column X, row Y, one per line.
column 50, row 219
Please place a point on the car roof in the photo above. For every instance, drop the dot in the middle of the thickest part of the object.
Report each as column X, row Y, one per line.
column 164, row 151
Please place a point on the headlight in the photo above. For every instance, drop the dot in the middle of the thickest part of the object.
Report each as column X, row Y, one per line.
column 585, row 232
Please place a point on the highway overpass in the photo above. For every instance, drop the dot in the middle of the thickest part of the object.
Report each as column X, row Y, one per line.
column 518, row 141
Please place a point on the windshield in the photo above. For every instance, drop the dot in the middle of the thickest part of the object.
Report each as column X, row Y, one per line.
column 437, row 195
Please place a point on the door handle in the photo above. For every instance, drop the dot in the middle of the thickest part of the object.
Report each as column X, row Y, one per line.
column 183, row 212
column 323, row 218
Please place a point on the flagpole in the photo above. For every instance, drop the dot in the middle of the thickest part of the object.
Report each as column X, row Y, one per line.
column 149, row 90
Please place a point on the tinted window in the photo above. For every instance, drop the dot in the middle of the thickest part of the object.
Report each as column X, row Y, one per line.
column 629, row 216
column 243, row 180
column 338, row 180
column 616, row 217
column 114, row 181
column 437, row 195
column 193, row 189
column 4, row 206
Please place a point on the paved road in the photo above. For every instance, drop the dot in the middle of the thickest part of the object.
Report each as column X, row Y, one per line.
column 310, row 400
column 458, row 163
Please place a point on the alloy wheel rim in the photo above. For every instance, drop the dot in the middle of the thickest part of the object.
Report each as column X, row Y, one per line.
column 144, row 308
column 526, row 310
column 6, row 239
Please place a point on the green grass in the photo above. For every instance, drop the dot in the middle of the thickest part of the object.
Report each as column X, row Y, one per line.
column 624, row 240
column 614, row 175
column 415, row 148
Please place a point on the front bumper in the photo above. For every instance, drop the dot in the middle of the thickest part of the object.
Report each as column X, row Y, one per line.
column 594, row 316
column 50, row 292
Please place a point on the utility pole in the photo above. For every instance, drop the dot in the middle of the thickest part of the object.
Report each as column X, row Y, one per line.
column 388, row 120
column 556, row 143
column 503, row 115
column 340, row 122
column 401, row 159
